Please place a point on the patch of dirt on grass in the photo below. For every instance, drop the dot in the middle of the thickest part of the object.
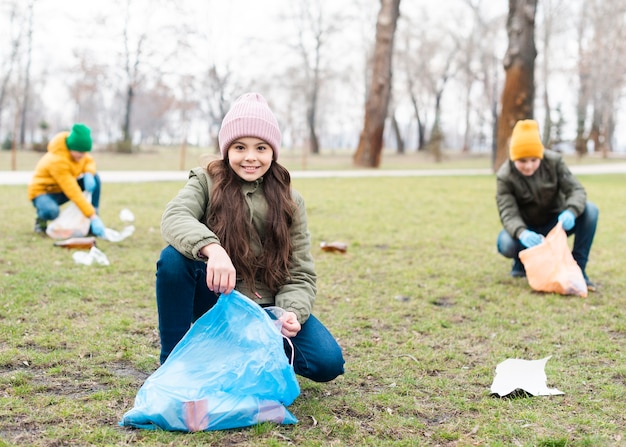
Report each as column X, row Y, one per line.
column 18, row 428
column 127, row 371
column 20, row 434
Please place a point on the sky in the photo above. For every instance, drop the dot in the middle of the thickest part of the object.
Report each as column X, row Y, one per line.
column 234, row 33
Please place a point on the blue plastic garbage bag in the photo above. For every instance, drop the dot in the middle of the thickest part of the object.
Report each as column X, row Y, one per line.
column 230, row 370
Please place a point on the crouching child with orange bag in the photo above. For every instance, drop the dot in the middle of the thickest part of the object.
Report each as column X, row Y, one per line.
column 535, row 191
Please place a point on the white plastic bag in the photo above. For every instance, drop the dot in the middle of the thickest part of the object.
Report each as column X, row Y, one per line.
column 70, row 223
column 93, row 256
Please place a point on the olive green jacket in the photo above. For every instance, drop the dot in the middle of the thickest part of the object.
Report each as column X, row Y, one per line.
column 183, row 227
column 536, row 200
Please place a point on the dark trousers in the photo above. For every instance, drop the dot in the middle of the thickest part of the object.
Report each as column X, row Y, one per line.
column 182, row 297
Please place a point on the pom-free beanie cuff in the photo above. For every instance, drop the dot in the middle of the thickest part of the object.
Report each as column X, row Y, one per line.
column 525, row 141
column 79, row 138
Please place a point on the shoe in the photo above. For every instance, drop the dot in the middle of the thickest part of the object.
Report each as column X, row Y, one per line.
column 591, row 287
column 40, row 225
column 518, row 270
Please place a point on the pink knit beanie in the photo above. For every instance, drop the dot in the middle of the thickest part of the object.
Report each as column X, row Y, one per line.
column 250, row 116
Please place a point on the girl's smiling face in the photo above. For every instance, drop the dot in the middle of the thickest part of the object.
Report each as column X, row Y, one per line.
column 527, row 166
column 250, row 157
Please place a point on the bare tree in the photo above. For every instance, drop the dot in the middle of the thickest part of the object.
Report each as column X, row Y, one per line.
column 435, row 63
column 84, row 84
column 476, row 61
column 154, row 111
column 584, row 85
column 311, row 19
column 26, row 91
column 437, row 87
column 132, row 62
column 368, row 153
column 607, row 69
column 519, row 65
column 217, row 90
column 554, row 22
column 408, row 65
column 16, row 28
column 314, row 29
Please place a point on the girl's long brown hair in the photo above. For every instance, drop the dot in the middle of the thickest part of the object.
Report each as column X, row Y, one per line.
column 229, row 218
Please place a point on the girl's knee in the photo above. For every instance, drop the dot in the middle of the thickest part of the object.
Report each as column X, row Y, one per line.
column 330, row 370
column 328, row 366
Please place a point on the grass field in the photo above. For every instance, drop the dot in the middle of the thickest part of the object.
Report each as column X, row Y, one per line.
column 421, row 303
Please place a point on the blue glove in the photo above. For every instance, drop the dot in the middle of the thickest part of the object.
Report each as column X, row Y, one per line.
column 567, row 219
column 89, row 182
column 97, row 227
column 530, row 238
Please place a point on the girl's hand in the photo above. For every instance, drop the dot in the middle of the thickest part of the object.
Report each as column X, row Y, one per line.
column 291, row 325
column 220, row 273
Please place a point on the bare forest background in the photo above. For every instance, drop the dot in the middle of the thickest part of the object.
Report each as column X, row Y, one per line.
column 358, row 76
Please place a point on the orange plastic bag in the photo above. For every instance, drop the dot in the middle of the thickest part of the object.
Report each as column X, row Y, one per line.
column 550, row 266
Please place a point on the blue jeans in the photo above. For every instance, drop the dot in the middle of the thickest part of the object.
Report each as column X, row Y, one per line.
column 182, row 297
column 584, row 230
column 48, row 205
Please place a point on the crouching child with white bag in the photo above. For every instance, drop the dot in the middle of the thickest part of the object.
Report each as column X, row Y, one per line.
column 62, row 175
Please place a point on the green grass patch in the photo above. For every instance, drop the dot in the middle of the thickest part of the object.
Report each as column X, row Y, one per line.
column 421, row 303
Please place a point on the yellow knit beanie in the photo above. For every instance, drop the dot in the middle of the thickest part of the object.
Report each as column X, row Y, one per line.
column 525, row 141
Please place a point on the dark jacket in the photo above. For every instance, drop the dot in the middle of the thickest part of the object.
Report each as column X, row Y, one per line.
column 536, row 200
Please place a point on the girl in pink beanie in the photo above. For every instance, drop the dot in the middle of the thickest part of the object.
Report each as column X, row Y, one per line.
column 238, row 224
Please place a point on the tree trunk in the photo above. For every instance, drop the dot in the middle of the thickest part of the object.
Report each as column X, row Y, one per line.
column 519, row 66
column 314, row 144
column 467, row 135
column 582, row 95
column 436, row 136
column 368, row 153
column 421, row 139
column 128, row 112
column 398, row 134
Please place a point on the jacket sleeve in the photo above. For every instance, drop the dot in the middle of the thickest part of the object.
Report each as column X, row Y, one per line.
column 572, row 189
column 182, row 223
column 508, row 209
column 62, row 174
column 298, row 294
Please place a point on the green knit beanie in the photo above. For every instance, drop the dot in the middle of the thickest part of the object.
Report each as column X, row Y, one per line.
column 79, row 138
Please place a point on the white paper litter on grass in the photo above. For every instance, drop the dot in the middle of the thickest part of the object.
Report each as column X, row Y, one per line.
column 126, row 216
column 526, row 375
column 90, row 257
column 112, row 235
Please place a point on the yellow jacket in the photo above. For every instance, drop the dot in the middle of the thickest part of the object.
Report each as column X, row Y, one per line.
column 57, row 172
